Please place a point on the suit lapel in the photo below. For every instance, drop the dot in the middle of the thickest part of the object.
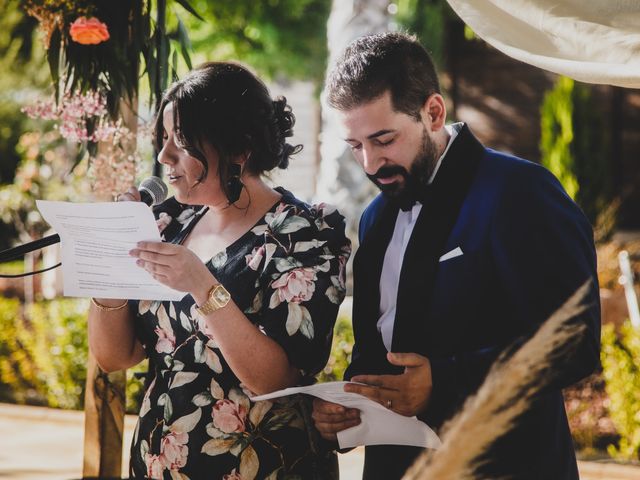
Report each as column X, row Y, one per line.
column 367, row 268
column 442, row 204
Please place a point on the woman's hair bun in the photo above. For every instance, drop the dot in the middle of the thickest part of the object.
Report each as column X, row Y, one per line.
column 284, row 122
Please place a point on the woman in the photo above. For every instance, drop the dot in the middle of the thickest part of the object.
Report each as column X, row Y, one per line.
column 264, row 274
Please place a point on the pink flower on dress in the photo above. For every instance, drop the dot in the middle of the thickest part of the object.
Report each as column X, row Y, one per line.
column 280, row 208
column 296, row 286
column 342, row 270
column 174, row 450
column 154, row 466
column 255, row 257
column 270, row 217
column 163, row 221
column 166, row 341
column 232, row 476
column 228, row 416
column 325, row 209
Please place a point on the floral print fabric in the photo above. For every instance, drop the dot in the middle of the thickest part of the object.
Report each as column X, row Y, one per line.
column 197, row 420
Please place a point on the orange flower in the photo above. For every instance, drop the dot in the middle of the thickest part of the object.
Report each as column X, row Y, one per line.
column 89, row 31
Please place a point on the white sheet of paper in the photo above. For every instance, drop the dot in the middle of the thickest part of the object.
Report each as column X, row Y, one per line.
column 379, row 425
column 95, row 242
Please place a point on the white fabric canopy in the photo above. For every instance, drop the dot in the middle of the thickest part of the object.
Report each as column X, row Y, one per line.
column 594, row 41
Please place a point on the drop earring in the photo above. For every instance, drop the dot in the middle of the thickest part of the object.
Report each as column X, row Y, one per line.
column 234, row 184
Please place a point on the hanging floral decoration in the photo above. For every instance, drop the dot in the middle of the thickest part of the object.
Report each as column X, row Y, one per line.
column 112, row 168
column 88, row 31
column 95, row 50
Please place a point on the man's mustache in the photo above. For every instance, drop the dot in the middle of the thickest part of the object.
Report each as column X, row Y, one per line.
column 386, row 172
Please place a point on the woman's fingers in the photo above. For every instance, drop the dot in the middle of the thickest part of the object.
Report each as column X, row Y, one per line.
column 131, row 195
column 159, row 247
column 151, row 257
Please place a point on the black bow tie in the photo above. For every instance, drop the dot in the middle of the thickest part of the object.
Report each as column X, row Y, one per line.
column 408, row 201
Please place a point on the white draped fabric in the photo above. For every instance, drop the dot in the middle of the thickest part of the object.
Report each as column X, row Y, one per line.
column 593, row 41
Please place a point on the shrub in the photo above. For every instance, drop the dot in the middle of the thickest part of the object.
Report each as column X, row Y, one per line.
column 340, row 351
column 43, row 355
column 621, row 370
column 44, row 352
column 556, row 134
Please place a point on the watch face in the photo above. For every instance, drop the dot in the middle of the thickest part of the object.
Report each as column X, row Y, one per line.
column 221, row 296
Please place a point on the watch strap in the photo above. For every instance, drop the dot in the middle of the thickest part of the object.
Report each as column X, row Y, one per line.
column 217, row 298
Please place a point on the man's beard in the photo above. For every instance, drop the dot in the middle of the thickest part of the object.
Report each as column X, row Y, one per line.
column 405, row 193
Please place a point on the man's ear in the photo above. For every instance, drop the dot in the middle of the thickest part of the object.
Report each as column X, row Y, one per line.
column 434, row 112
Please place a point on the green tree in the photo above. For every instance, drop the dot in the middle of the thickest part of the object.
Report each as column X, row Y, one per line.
column 23, row 71
column 280, row 38
column 427, row 19
column 575, row 146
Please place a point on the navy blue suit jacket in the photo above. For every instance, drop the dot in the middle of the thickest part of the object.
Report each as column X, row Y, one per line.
column 526, row 248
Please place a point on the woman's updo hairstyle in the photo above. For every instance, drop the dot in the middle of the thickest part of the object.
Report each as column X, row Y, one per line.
column 226, row 106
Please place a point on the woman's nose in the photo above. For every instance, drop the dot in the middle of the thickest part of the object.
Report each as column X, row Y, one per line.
column 166, row 155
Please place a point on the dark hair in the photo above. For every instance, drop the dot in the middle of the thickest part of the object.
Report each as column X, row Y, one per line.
column 373, row 64
column 225, row 105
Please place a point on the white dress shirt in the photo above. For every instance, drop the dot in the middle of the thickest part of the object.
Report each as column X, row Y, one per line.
column 390, row 276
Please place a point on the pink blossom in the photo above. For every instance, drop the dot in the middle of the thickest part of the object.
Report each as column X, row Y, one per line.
column 174, row 450
column 154, row 466
column 41, row 109
column 232, row 476
column 166, row 341
column 73, row 111
column 255, row 257
column 229, row 416
column 296, row 286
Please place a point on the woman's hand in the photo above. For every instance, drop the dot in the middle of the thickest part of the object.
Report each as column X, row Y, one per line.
column 131, row 195
column 174, row 266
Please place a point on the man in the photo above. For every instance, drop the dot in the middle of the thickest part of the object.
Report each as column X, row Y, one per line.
column 465, row 252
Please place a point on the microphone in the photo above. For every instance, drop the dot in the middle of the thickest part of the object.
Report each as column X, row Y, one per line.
column 152, row 191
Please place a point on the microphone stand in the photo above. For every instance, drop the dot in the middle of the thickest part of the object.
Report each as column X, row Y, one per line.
column 21, row 250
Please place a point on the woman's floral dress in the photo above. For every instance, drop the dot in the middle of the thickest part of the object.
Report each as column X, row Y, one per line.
column 197, row 420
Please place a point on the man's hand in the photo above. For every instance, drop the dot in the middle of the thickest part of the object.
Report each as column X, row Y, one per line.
column 331, row 418
column 407, row 394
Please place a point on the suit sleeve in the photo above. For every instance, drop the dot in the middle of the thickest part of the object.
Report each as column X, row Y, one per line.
column 542, row 247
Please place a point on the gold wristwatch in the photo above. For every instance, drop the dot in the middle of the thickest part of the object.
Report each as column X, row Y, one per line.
column 217, row 298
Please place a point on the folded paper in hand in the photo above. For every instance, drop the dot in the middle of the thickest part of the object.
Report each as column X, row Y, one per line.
column 379, row 425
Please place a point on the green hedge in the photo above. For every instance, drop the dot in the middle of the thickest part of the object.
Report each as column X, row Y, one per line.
column 621, row 369
column 43, row 355
column 340, row 351
column 43, row 352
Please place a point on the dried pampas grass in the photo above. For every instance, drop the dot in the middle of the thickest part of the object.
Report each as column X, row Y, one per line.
column 505, row 394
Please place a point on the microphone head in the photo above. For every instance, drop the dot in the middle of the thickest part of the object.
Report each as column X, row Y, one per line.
column 153, row 191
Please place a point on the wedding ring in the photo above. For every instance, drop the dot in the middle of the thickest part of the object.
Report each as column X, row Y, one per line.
column 389, row 403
